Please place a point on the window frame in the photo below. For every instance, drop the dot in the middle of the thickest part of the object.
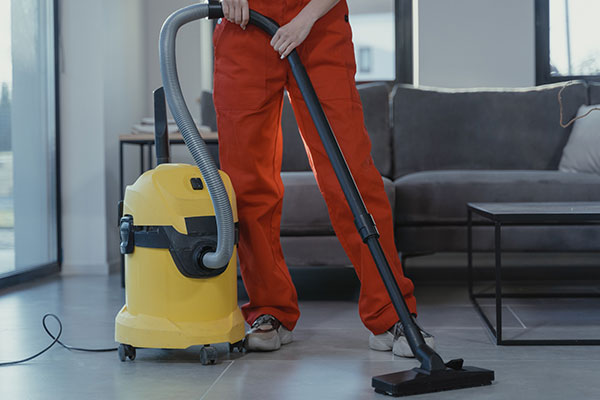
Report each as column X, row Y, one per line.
column 403, row 35
column 40, row 271
column 542, row 49
column 403, row 11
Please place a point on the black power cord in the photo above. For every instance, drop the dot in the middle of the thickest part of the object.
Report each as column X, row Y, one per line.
column 55, row 340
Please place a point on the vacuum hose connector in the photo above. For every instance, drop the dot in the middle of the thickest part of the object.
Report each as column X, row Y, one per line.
column 218, row 194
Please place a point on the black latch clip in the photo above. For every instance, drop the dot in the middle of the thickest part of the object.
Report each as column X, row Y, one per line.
column 127, row 234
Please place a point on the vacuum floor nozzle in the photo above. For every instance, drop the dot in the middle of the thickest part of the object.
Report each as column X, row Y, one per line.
column 411, row 382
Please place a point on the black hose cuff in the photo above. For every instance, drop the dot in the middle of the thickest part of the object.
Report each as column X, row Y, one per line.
column 215, row 10
column 366, row 227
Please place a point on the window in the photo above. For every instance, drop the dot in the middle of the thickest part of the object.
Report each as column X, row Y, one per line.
column 364, row 58
column 28, row 178
column 567, row 40
column 382, row 36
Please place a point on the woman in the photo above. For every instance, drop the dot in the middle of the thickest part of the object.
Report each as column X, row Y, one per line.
column 250, row 77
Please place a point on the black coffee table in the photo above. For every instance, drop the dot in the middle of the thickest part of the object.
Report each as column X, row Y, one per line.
column 575, row 213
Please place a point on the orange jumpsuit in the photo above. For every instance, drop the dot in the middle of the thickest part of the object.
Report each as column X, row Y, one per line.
column 249, row 83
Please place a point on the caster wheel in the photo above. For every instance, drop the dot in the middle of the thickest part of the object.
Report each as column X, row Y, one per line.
column 122, row 353
column 131, row 352
column 126, row 351
column 238, row 346
column 208, row 355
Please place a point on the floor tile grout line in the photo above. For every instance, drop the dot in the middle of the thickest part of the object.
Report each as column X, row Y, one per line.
column 216, row 381
column 516, row 316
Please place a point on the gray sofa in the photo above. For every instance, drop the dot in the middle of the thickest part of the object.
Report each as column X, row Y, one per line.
column 437, row 150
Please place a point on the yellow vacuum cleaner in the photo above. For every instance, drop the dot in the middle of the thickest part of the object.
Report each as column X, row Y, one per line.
column 178, row 236
column 202, row 308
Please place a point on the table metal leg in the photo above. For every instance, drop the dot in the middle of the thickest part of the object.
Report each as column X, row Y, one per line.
column 496, row 332
column 141, row 159
column 121, row 179
column 498, row 251
column 122, row 194
column 470, row 252
column 150, row 163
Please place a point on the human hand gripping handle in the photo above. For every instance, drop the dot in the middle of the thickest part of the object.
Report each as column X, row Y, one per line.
column 236, row 11
column 290, row 35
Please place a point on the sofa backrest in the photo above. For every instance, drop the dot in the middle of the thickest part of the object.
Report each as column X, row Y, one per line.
column 376, row 109
column 207, row 110
column 500, row 129
column 375, row 100
column 294, row 154
column 594, row 93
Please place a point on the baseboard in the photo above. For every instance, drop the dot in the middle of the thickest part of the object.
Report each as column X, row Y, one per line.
column 85, row 269
column 114, row 266
column 342, row 284
column 320, row 283
column 452, row 267
column 509, row 274
column 28, row 275
column 509, row 259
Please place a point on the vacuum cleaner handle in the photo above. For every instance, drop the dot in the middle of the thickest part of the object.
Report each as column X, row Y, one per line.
column 430, row 360
column 161, row 127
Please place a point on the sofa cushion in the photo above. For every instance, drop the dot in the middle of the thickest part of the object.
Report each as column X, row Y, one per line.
column 440, row 197
column 582, row 152
column 484, row 129
column 304, row 210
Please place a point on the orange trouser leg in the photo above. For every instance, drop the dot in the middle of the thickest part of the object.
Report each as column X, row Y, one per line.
column 248, row 81
column 248, row 93
column 328, row 57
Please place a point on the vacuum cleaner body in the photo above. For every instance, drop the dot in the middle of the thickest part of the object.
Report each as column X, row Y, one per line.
column 172, row 300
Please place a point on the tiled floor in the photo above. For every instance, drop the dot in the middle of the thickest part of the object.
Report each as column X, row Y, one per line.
column 328, row 360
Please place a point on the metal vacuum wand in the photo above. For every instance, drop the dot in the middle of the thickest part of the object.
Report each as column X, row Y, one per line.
column 433, row 374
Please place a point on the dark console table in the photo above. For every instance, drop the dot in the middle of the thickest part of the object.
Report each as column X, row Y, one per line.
column 501, row 214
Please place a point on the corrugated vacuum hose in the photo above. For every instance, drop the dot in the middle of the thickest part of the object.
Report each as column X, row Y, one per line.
column 220, row 199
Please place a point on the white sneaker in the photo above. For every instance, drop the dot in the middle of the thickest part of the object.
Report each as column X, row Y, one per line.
column 395, row 340
column 267, row 334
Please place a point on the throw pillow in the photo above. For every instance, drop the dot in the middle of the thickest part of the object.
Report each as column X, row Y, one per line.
column 582, row 152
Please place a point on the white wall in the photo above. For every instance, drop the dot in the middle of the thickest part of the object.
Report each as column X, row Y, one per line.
column 189, row 62
column 102, row 81
column 109, row 69
column 474, row 43
column 82, row 137
column 194, row 64
column 125, row 94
